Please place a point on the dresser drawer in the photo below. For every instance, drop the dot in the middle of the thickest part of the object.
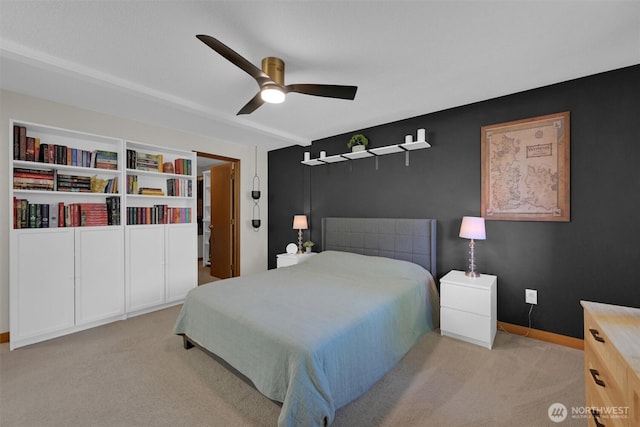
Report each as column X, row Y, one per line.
column 598, row 416
column 600, row 384
column 611, row 352
column 633, row 398
column 602, row 349
column 466, row 298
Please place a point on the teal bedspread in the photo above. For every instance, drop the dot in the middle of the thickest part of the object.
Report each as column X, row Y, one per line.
column 315, row 335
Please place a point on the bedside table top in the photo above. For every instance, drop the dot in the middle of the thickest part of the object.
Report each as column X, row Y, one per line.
column 458, row 277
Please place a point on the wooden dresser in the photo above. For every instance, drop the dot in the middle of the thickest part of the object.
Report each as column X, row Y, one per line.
column 612, row 364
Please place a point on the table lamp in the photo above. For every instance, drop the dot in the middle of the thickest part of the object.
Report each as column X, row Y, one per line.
column 300, row 223
column 472, row 228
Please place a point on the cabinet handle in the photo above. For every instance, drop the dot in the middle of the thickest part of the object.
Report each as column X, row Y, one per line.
column 596, row 335
column 595, row 413
column 594, row 374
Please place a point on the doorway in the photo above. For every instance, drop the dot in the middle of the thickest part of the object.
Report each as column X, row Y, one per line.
column 218, row 217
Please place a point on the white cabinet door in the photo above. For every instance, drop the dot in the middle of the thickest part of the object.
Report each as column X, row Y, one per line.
column 145, row 266
column 99, row 273
column 42, row 283
column 182, row 256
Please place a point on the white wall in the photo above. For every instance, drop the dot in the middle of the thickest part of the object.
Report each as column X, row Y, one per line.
column 253, row 245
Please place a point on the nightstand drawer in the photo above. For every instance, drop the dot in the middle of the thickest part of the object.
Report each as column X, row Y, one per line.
column 462, row 324
column 466, row 298
column 286, row 260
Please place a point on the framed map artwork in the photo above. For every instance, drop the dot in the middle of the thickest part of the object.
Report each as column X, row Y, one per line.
column 525, row 169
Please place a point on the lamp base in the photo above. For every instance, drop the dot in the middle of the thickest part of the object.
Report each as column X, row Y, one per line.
column 299, row 242
column 471, row 271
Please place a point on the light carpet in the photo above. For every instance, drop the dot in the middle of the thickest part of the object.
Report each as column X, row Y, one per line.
column 136, row 373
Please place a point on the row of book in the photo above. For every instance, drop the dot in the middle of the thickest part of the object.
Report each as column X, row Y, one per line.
column 31, row 149
column 176, row 187
column 51, row 180
column 179, row 187
column 158, row 214
column 44, row 215
column 155, row 163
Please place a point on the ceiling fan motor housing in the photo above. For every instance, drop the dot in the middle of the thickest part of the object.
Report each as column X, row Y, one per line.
column 274, row 68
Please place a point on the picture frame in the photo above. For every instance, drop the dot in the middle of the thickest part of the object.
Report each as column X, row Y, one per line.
column 525, row 169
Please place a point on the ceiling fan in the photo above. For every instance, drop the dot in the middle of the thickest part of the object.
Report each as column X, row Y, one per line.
column 271, row 79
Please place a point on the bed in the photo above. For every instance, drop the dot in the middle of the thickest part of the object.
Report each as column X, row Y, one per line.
column 316, row 335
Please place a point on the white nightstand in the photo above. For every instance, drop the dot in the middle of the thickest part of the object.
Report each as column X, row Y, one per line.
column 285, row 260
column 468, row 307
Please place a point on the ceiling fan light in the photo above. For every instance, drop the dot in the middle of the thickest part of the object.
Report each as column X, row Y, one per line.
column 272, row 95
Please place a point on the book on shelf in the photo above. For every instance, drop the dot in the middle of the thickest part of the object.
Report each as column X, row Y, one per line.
column 148, row 191
column 132, row 184
column 49, row 180
column 147, row 162
column 179, row 215
column 131, row 159
column 99, row 185
column 102, row 159
column 157, row 214
column 24, row 214
column 113, row 210
column 156, row 163
column 73, row 183
column 33, row 179
column 182, row 166
column 53, row 215
column 112, row 185
column 179, row 187
column 92, row 214
column 44, row 215
column 32, row 149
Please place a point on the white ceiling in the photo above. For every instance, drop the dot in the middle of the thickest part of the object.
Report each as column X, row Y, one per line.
column 141, row 60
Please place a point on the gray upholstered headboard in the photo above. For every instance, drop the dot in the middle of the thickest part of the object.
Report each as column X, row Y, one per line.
column 400, row 238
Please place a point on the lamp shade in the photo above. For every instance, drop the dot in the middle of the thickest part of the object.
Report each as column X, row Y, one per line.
column 300, row 222
column 472, row 228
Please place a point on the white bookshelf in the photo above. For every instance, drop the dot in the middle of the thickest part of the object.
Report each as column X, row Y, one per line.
column 64, row 277
column 161, row 252
column 84, row 272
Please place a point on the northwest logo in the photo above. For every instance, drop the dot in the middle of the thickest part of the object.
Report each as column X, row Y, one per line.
column 557, row 412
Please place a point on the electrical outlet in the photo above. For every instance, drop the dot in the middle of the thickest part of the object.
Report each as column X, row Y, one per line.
column 531, row 296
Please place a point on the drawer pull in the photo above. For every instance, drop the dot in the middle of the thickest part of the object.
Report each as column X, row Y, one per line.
column 596, row 335
column 595, row 413
column 594, row 374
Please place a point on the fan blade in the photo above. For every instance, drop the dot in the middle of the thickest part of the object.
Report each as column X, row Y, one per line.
column 329, row 91
column 252, row 105
column 235, row 58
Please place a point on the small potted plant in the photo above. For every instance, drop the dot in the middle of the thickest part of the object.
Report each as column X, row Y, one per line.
column 308, row 244
column 358, row 142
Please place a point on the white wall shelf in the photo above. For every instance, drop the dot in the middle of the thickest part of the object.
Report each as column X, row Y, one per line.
column 379, row 151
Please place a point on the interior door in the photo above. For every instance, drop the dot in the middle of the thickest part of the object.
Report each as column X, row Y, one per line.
column 222, row 221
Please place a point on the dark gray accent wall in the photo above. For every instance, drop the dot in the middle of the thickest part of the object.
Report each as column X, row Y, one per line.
column 592, row 257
